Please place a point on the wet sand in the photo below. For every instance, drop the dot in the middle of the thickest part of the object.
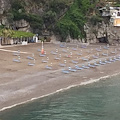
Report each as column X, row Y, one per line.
column 20, row 82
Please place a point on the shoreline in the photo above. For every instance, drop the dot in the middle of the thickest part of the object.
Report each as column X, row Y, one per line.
column 89, row 81
column 20, row 83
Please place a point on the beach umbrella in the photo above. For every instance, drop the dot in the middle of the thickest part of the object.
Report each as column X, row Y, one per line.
column 42, row 51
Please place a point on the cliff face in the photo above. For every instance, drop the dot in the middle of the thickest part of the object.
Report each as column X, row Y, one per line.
column 42, row 17
column 102, row 32
column 4, row 7
column 32, row 15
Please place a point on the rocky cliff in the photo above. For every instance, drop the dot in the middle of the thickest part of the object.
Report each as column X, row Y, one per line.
column 71, row 18
column 32, row 15
column 102, row 32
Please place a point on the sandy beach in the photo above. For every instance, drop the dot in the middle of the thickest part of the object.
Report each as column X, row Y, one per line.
column 21, row 82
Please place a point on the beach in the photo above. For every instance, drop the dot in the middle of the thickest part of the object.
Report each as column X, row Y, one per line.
column 20, row 82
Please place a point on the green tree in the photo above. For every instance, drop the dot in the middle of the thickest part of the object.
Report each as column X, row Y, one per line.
column 6, row 33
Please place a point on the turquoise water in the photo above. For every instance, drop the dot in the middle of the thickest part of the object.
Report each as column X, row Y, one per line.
column 97, row 101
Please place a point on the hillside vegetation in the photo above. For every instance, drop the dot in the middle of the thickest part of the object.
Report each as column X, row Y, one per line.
column 61, row 17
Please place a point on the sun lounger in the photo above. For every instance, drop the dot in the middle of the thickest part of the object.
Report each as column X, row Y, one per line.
column 39, row 50
column 78, row 68
column 57, row 58
column 96, row 64
column 64, row 51
column 62, row 46
column 101, row 62
column 84, row 46
column 65, row 71
column 106, row 61
column 105, row 47
column 54, row 53
column 16, row 60
column 104, row 54
column 113, row 52
column 79, row 54
column 71, row 69
column 44, row 61
column 85, row 59
column 42, row 55
column 75, row 49
column 85, row 67
column 30, row 58
column 75, row 62
column 111, row 60
column 48, row 67
column 30, row 64
column 95, row 57
column 62, row 65
column 16, row 54
column 99, row 50
column 92, row 66
column 116, row 59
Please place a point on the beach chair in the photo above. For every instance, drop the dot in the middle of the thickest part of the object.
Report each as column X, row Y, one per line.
column 84, row 46
column 101, row 62
column 48, row 67
column 85, row 59
column 54, row 53
column 80, row 54
column 92, row 66
column 71, row 69
column 42, row 55
column 111, row 60
column 85, row 67
column 106, row 61
column 44, row 61
column 39, row 50
column 95, row 57
column 62, row 65
column 105, row 54
column 30, row 64
column 78, row 68
column 99, row 50
column 106, row 47
column 113, row 52
column 96, row 64
column 30, row 58
column 16, row 54
column 65, row 71
column 75, row 49
column 75, row 62
column 65, row 51
column 62, row 46
column 116, row 59
column 16, row 60
column 57, row 58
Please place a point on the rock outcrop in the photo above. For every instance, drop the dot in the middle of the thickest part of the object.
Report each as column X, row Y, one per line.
column 4, row 7
column 102, row 32
column 22, row 25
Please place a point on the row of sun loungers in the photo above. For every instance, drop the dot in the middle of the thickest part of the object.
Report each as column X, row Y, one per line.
column 89, row 65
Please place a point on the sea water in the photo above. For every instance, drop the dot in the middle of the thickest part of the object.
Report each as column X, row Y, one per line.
column 96, row 101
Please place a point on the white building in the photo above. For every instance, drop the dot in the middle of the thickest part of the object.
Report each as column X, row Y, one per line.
column 113, row 12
